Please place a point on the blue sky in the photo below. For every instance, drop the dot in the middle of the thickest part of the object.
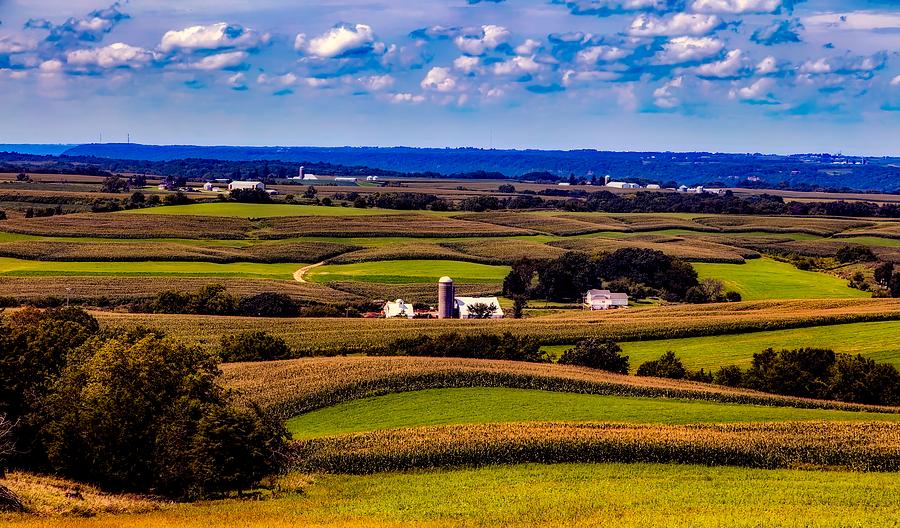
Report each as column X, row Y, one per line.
column 721, row 75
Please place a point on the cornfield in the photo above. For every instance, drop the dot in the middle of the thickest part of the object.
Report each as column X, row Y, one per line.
column 846, row 445
column 292, row 387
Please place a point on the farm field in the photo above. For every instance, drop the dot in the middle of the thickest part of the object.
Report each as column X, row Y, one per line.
column 248, row 210
column 877, row 341
column 627, row 495
column 409, row 271
column 770, row 279
column 20, row 267
column 487, row 405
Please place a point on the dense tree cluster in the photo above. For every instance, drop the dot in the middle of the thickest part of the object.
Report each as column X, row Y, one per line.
column 602, row 354
column 479, row 346
column 250, row 196
column 128, row 410
column 636, row 271
column 253, row 346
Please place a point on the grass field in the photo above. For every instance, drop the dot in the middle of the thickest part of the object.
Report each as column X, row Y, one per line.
column 770, row 279
column 626, row 495
column 19, row 267
column 876, row 341
column 489, row 405
column 409, row 271
column 249, row 210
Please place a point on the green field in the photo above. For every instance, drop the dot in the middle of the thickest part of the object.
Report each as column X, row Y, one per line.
column 409, row 271
column 770, row 279
column 248, row 210
column 591, row 495
column 20, row 267
column 492, row 405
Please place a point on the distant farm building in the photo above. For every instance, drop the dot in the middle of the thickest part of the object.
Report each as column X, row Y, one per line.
column 452, row 307
column 604, row 300
column 398, row 308
column 371, row 178
column 246, row 185
column 623, row 185
column 345, row 179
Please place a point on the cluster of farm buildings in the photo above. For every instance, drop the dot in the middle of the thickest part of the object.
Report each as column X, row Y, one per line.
column 654, row 187
column 450, row 306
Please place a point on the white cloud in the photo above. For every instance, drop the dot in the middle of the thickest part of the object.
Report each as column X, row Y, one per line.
column 9, row 46
column 377, row 83
column 767, row 66
column 280, row 81
column 758, row 91
column 854, row 21
column 816, row 66
column 219, row 61
column 51, row 66
column 574, row 77
column 729, row 67
column 238, row 81
column 467, row 64
column 116, row 55
column 439, row 80
column 517, row 66
column 407, row 98
column 734, row 7
column 490, row 37
column 300, row 41
column 680, row 50
column 342, row 41
column 666, row 95
column 895, row 81
column 595, row 54
column 529, row 47
column 679, row 24
column 212, row 37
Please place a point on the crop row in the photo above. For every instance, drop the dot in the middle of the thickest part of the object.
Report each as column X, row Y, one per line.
column 555, row 225
column 691, row 249
column 409, row 225
column 853, row 446
column 292, row 387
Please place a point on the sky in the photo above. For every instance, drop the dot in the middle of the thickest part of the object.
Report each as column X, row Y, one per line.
column 774, row 76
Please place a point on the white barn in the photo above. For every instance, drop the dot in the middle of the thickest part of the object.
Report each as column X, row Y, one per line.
column 242, row 185
column 623, row 185
column 464, row 303
column 398, row 308
column 604, row 300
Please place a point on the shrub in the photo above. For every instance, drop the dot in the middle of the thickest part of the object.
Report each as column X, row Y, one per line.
column 253, row 346
column 730, row 376
column 883, row 274
column 178, row 198
column 732, row 296
column 602, row 354
column 2, row 215
column 667, row 366
column 479, row 346
column 854, row 253
column 269, row 304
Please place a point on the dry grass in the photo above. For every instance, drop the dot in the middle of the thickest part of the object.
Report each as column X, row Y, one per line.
column 46, row 496
column 292, row 387
column 686, row 248
column 404, row 251
column 842, row 445
column 130, row 226
column 885, row 230
column 543, row 223
column 504, row 251
column 661, row 322
column 406, row 225
column 93, row 289
column 781, row 224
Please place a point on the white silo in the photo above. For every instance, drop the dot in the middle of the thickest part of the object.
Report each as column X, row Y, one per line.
column 446, row 298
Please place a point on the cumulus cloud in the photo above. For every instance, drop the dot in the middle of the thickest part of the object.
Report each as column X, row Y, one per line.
column 214, row 37
column 605, row 8
column 9, row 46
column 861, row 65
column 895, row 81
column 377, row 83
column 118, row 55
column 343, row 41
column 230, row 60
column 517, row 65
column 439, row 80
column 758, row 92
column 406, row 97
column 595, row 54
column 90, row 28
column 767, row 66
column 679, row 24
column 666, row 96
column 238, row 82
column 681, row 50
column 571, row 78
column 467, row 64
column 489, row 37
column 735, row 7
column 779, row 32
column 731, row 67
column 529, row 47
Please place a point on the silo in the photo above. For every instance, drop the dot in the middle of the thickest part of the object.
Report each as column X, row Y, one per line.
column 446, row 298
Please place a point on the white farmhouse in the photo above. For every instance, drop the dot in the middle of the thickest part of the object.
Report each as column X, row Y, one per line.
column 604, row 300
column 398, row 308
column 463, row 304
column 243, row 185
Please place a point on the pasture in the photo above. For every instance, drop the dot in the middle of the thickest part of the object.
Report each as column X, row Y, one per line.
column 770, row 279
column 409, row 271
column 495, row 405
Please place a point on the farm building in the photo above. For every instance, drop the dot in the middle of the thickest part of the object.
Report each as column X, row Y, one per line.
column 464, row 307
column 398, row 308
column 623, row 185
column 345, row 179
column 604, row 300
column 242, row 185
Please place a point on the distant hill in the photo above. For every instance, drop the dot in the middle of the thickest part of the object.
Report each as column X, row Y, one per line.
column 39, row 150
column 799, row 171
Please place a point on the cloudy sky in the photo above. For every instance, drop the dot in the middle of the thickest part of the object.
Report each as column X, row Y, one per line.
column 721, row 75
